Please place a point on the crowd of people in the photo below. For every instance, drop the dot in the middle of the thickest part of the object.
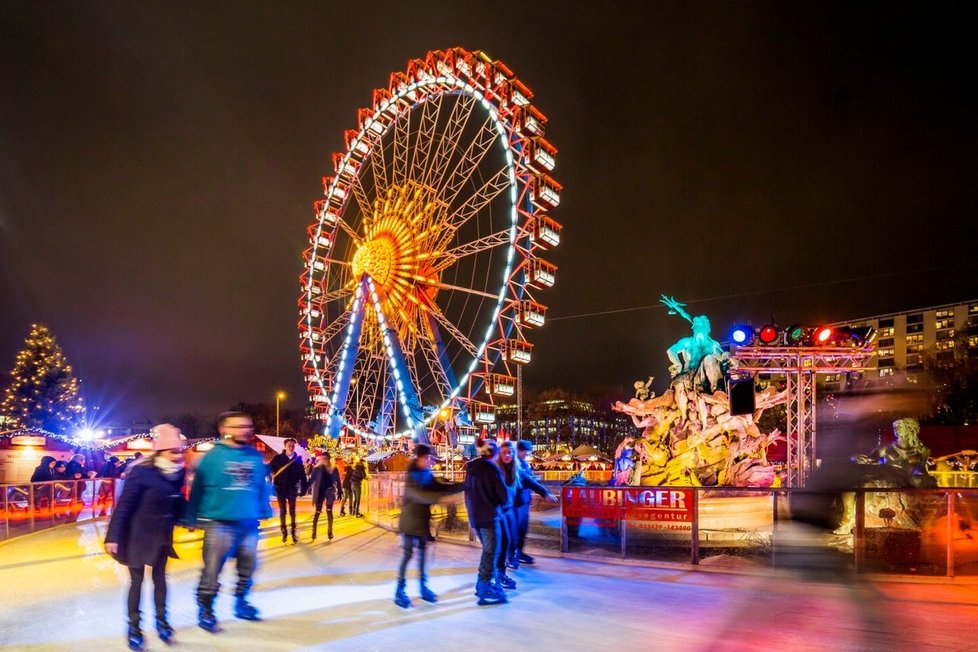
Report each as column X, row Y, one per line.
column 230, row 494
column 497, row 486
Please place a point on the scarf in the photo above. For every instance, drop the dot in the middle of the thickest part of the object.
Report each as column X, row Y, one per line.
column 167, row 467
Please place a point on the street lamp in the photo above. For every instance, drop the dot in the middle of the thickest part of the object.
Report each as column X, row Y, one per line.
column 278, row 399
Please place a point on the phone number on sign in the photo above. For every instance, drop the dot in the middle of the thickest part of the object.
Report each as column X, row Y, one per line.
column 648, row 525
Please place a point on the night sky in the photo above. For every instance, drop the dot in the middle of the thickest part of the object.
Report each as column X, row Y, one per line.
column 158, row 162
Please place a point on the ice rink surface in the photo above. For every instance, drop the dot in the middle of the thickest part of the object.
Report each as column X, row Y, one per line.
column 61, row 592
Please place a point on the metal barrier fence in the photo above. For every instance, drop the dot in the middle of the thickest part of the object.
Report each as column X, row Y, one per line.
column 32, row 506
column 923, row 532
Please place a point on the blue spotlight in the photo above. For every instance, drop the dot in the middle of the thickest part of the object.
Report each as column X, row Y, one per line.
column 741, row 335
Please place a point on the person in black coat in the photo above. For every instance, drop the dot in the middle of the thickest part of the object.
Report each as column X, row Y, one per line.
column 326, row 486
column 111, row 471
column 347, row 484
column 141, row 528
column 44, row 472
column 356, row 485
column 421, row 489
column 485, row 493
column 287, row 476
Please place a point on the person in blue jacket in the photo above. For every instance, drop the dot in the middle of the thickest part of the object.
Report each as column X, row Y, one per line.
column 228, row 498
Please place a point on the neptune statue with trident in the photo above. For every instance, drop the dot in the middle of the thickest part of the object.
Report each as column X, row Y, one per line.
column 698, row 357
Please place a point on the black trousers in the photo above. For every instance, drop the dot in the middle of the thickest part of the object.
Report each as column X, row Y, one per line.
column 136, row 574
column 289, row 500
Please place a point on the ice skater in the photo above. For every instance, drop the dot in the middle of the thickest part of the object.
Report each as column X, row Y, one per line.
column 141, row 528
column 421, row 490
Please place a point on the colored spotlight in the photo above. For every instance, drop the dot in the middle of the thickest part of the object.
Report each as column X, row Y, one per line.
column 768, row 334
column 796, row 335
column 823, row 335
column 741, row 335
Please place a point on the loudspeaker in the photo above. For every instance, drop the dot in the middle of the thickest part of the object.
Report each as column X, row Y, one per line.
column 741, row 393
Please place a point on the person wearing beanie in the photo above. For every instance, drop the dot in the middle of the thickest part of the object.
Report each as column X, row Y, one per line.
column 140, row 531
column 421, row 490
column 485, row 494
column 229, row 498
column 521, row 504
column 326, row 486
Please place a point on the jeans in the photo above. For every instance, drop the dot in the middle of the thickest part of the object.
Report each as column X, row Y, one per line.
column 355, row 497
column 346, row 503
column 136, row 574
column 522, row 526
column 489, row 537
column 222, row 540
column 329, row 516
column 284, row 500
column 407, row 545
column 507, row 539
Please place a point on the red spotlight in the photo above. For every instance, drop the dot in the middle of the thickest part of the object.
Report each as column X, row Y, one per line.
column 768, row 335
column 823, row 335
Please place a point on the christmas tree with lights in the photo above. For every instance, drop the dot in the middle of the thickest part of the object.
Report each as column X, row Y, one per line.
column 43, row 391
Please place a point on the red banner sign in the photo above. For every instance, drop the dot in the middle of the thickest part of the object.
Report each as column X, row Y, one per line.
column 665, row 504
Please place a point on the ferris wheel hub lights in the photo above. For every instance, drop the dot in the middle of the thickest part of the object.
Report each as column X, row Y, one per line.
column 376, row 259
column 768, row 334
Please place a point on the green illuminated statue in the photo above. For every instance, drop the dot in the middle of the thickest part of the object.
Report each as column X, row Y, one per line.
column 688, row 435
column 699, row 356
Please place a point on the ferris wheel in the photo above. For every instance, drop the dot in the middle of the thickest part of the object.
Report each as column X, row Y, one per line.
column 425, row 257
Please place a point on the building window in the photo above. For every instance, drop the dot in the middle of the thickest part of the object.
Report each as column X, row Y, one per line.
column 885, row 362
column 885, row 353
column 973, row 309
column 885, row 332
column 913, row 360
column 915, row 328
column 972, row 341
column 945, row 323
column 886, row 342
column 915, row 319
column 915, row 348
column 945, row 345
column 886, row 371
column 914, row 339
column 941, row 314
column 888, row 323
column 946, row 334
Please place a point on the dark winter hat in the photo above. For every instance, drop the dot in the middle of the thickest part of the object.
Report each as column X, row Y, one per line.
column 524, row 445
column 486, row 447
column 113, row 460
column 421, row 450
